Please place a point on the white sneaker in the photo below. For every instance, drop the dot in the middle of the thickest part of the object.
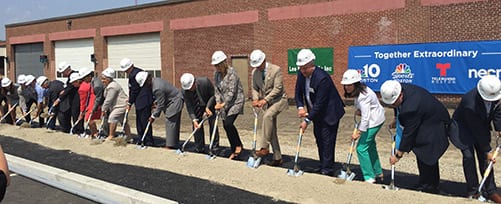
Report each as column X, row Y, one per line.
column 371, row 180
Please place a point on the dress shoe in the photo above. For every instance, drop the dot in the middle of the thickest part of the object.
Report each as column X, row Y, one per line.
column 276, row 162
column 236, row 154
column 263, row 152
column 495, row 197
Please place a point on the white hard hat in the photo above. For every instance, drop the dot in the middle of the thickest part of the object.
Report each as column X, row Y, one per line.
column 218, row 57
column 109, row 72
column 351, row 76
column 29, row 79
column 304, row 57
column 390, row 91
column 6, row 82
column 84, row 71
column 125, row 64
column 74, row 76
column 21, row 79
column 257, row 58
column 489, row 88
column 63, row 66
column 41, row 80
column 141, row 78
column 187, row 80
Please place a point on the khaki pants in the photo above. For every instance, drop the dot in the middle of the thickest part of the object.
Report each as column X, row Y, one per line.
column 269, row 135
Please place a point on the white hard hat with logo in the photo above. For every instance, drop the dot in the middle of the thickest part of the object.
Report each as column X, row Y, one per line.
column 21, row 79
column 390, row 91
column 489, row 88
column 351, row 76
column 74, row 77
column 257, row 58
column 141, row 78
column 62, row 66
column 29, row 79
column 125, row 64
column 109, row 72
column 218, row 57
column 6, row 82
column 304, row 57
column 41, row 80
column 187, row 80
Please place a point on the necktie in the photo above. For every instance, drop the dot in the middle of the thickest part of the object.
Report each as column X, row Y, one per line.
column 264, row 75
column 198, row 111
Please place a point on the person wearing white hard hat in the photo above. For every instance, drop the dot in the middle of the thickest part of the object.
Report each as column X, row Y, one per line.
column 143, row 106
column 229, row 99
column 51, row 94
column 372, row 117
column 9, row 89
column 68, row 101
column 477, row 112
column 424, row 120
column 90, row 109
column 318, row 101
column 268, row 94
column 169, row 100
column 198, row 93
column 114, row 104
column 27, row 96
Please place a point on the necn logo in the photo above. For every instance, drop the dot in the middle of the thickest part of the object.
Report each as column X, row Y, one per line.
column 403, row 73
column 443, row 78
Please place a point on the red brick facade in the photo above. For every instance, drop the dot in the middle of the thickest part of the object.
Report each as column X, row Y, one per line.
column 191, row 31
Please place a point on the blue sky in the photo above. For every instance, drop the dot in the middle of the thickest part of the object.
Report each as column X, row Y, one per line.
column 17, row 11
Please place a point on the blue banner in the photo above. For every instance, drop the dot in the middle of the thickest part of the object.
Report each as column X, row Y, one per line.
column 443, row 68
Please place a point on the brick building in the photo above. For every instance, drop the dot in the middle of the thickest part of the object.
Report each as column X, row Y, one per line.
column 182, row 35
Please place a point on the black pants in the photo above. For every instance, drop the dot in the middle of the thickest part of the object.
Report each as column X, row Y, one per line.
column 200, row 135
column 325, row 136
column 231, row 132
column 429, row 177
column 142, row 116
column 470, row 171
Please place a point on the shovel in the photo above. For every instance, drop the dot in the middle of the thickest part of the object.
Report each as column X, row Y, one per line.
column 181, row 151
column 24, row 115
column 84, row 134
column 393, row 149
column 141, row 146
column 75, row 124
column 254, row 160
column 211, row 154
column 348, row 175
column 488, row 170
column 296, row 171
column 8, row 112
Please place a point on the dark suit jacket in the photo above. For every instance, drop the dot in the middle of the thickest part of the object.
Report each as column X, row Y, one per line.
column 205, row 91
column 424, row 119
column 474, row 125
column 141, row 96
column 327, row 104
column 70, row 97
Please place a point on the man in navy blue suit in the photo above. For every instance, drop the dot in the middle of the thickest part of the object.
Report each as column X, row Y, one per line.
column 143, row 106
column 315, row 89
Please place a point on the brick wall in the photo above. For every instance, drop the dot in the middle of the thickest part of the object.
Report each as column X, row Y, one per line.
column 308, row 23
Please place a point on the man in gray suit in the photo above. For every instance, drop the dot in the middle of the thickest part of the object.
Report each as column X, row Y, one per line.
column 268, row 94
column 169, row 100
column 198, row 95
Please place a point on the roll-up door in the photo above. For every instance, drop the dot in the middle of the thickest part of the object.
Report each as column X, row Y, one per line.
column 75, row 52
column 27, row 58
column 142, row 49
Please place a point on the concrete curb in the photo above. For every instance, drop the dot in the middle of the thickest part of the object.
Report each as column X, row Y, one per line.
column 90, row 188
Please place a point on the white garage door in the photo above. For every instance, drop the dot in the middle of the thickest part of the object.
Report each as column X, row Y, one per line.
column 142, row 49
column 75, row 52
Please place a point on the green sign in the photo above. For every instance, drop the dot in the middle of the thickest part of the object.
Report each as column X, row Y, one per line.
column 324, row 58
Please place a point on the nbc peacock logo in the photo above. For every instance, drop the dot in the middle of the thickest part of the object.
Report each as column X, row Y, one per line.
column 403, row 73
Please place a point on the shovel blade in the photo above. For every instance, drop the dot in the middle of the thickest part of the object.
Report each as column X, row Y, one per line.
column 346, row 176
column 140, row 147
column 291, row 172
column 211, row 157
column 253, row 162
column 179, row 152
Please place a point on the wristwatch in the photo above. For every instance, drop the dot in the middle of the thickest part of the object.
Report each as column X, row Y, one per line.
column 308, row 121
column 398, row 156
